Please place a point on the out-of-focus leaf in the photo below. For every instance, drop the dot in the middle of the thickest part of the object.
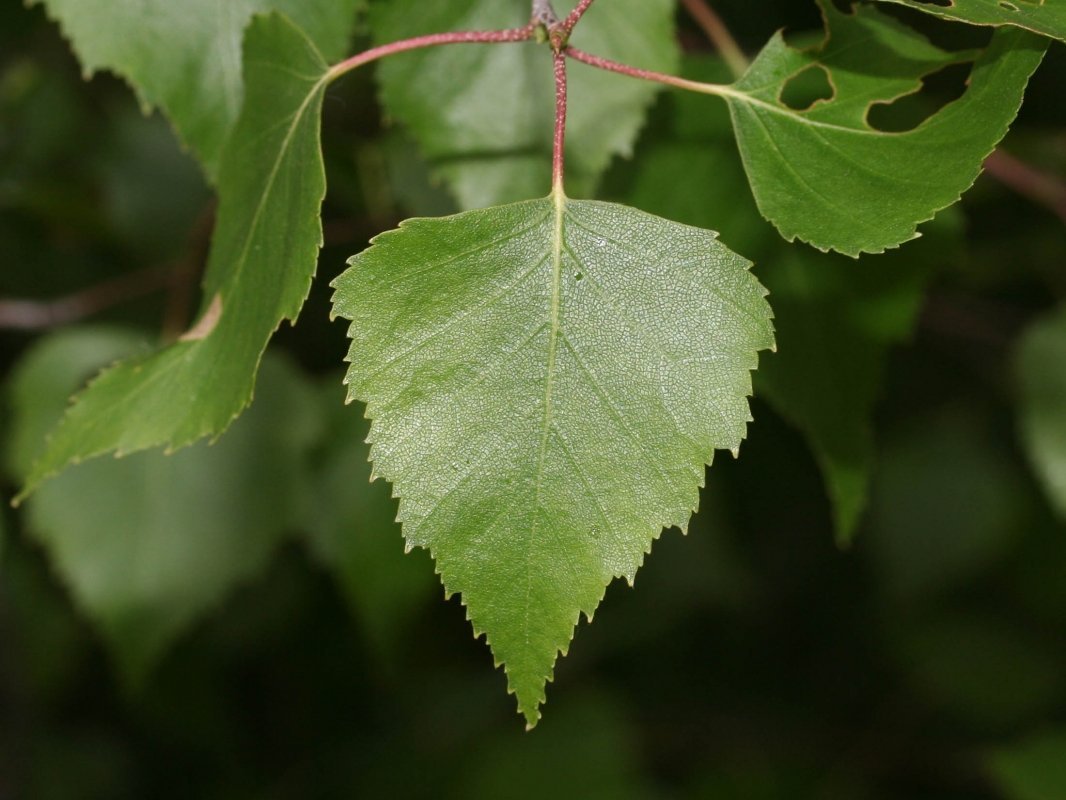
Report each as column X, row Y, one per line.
column 149, row 542
column 352, row 529
column 143, row 156
column 1040, row 16
column 837, row 321
column 547, row 381
column 483, row 114
column 263, row 257
column 1034, row 769
column 186, row 57
column 946, row 503
column 980, row 669
column 1042, row 409
column 587, row 745
column 824, row 175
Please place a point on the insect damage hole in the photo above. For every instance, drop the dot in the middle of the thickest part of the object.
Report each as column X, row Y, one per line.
column 807, row 88
column 911, row 110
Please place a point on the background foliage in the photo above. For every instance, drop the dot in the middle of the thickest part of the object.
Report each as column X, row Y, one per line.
column 239, row 620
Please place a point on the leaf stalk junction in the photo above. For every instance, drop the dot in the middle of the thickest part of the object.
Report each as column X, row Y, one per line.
column 545, row 26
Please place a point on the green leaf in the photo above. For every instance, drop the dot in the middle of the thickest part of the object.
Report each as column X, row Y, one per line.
column 1034, row 769
column 836, row 320
column 1042, row 408
column 483, row 114
column 186, row 57
column 148, row 543
column 825, row 176
column 262, row 260
column 546, row 381
column 1040, row 16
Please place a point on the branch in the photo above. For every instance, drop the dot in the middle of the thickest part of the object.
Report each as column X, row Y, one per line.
column 36, row 315
column 544, row 14
column 1029, row 182
column 707, row 18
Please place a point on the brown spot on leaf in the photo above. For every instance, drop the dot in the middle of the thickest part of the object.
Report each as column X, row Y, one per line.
column 202, row 329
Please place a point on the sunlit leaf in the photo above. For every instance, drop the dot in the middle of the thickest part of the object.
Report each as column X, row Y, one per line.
column 186, row 57
column 483, row 114
column 546, row 382
column 262, row 259
column 825, row 176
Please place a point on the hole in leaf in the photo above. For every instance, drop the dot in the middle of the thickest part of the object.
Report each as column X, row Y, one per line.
column 806, row 88
column 908, row 112
column 578, row 276
column 1008, row 6
column 941, row 3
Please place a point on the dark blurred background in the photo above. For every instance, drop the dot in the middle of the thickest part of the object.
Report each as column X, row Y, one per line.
column 755, row 658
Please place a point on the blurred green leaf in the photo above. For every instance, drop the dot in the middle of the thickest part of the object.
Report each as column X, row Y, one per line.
column 186, row 58
column 988, row 672
column 483, row 115
column 1034, row 769
column 547, row 381
column 351, row 525
column 825, row 176
column 1040, row 16
column 1041, row 363
column 263, row 257
column 149, row 542
column 587, row 749
column 946, row 504
column 142, row 157
column 837, row 321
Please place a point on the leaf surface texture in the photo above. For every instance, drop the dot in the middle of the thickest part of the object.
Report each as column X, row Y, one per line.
column 546, row 382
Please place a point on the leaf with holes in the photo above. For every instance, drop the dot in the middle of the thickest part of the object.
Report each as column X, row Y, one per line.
column 482, row 114
column 262, row 260
column 1041, row 372
column 825, row 176
column 1040, row 16
column 546, row 381
column 186, row 57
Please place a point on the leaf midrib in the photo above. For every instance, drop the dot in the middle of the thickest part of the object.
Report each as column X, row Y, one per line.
column 558, row 200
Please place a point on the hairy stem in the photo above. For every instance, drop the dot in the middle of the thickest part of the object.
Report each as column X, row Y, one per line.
column 1029, row 182
column 522, row 34
column 600, row 62
column 707, row 18
column 559, row 140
